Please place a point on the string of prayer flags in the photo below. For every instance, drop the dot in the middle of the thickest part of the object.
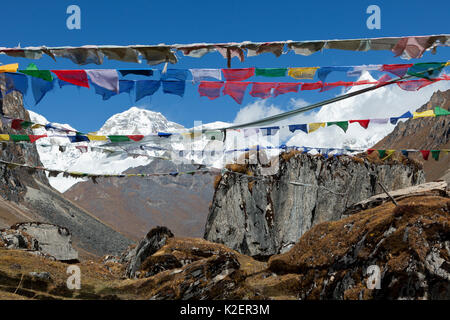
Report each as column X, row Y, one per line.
column 405, row 47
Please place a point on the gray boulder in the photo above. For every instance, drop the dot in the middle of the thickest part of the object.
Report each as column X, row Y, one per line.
column 51, row 239
column 153, row 241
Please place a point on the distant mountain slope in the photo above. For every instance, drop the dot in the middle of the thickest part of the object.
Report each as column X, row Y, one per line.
column 425, row 134
column 135, row 205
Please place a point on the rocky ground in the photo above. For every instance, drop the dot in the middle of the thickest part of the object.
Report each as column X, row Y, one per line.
column 410, row 244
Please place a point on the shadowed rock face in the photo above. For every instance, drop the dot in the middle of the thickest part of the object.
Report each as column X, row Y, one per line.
column 265, row 217
column 27, row 196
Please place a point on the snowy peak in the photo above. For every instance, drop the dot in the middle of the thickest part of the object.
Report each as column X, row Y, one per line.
column 138, row 121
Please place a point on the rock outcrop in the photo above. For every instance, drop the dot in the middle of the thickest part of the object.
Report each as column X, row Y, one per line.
column 409, row 244
column 265, row 217
column 47, row 239
column 53, row 240
column 153, row 241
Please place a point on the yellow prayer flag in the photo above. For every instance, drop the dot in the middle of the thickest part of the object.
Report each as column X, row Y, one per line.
column 428, row 113
column 447, row 64
column 9, row 67
column 4, row 137
column 302, row 73
column 388, row 154
column 97, row 138
column 314, row 126
column 37, row 126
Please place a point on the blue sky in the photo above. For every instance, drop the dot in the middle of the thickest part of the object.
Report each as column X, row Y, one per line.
column 33, row 23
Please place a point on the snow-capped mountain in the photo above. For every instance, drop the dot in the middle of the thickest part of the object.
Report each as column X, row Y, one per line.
column 59, row 153
column 138, row 121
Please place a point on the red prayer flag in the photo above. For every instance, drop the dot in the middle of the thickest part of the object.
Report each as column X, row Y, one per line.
column 425, row 154
column 15, row 124
column 76, row 77
column 285, row 87
column 369, row 151
column 363, row 123
column 262, row 89
column 136, row 137
column 330, row 85
column 33, row 137
column 414, row 85
column 210, row 89
column 238, row 74
column 236, row 90
column 312, row 86
column 398, row 69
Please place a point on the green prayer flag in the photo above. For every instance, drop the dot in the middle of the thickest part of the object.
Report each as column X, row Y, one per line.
column 381, row 153
column 271, row 72
column 26, row 124
column 427, row 70
column 32, row 70
column 118, row 138
column 19, row 137
column 435, row 154
column 441, row 112
column 342, row 124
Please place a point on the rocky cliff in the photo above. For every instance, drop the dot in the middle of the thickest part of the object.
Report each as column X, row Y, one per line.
column 26, row 195
column 265, row 217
